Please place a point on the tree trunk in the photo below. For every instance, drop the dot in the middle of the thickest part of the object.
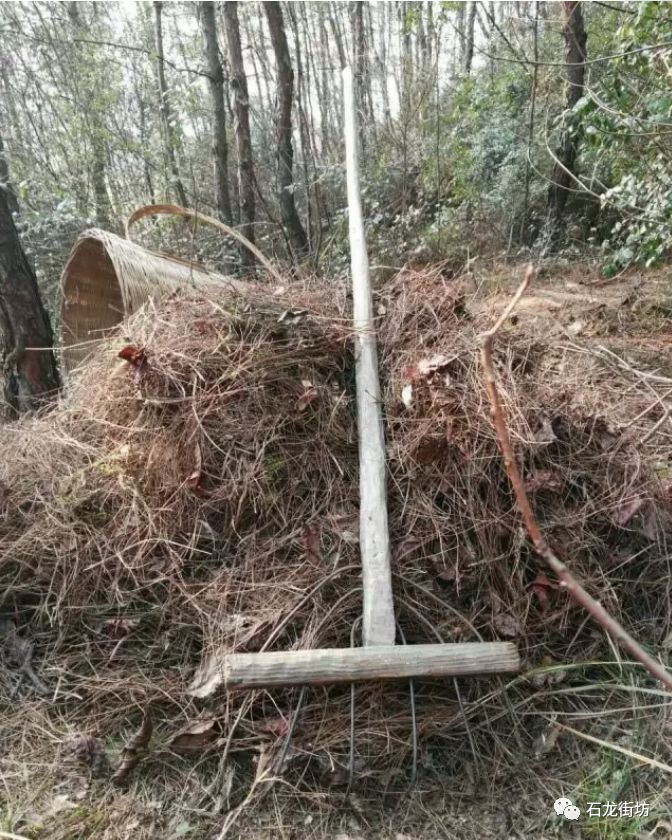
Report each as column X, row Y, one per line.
column 243, row 136
column 164, row 108
column 285, row 149
column 30, row 371
column 98, row 166
column 304, row 129
column 575, row 37
column 362, row 76
column 216, row 84
column 469, row 38
column 5, row 184
column 336, row 32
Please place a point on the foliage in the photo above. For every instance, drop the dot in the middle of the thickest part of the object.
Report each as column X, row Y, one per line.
column 626, row 118
column 452, row 161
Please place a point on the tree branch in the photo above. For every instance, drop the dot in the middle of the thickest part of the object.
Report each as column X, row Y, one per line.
column 567, row 580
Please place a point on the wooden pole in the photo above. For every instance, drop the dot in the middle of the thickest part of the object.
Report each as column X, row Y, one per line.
column 378, row 626
column 381, row 662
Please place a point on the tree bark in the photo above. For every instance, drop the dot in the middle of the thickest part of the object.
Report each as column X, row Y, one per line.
column 98, row 166
column 361, row 67
column 5, row 183
column 242, row 128
column 216, row 84
column 335, row 29
column 30, row 371
column 575, row 37
column 285, row 148
column 469, row 38
column 164, row 107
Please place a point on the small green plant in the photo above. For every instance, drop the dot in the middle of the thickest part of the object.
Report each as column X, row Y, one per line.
column 611, row 781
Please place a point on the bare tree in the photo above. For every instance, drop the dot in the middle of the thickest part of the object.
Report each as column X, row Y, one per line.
column 216, row 84
column 242, row 128
column 469, row 38
column 361, row 65
column 30, row 370
column 283, row 124
column 575, row 37
column 164, row 107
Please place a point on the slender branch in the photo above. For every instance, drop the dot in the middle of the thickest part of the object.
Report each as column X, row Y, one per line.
column 543, row 549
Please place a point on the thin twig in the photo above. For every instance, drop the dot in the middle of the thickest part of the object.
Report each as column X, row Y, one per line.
column 543, row 549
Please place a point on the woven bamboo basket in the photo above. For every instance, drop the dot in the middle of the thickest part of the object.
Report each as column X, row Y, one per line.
column 107, row 277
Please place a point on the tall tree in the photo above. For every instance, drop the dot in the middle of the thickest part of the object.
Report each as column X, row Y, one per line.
column 361, row 70
column 242, row 128
column 469, row 38
column 169, row 139
column 564, row 169
column 283, row 126
column 216, row 84
column 30, row 370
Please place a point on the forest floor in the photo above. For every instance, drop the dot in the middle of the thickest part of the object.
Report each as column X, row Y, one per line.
column 575, row 314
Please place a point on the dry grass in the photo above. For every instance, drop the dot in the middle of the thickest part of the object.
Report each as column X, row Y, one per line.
column 206, row 500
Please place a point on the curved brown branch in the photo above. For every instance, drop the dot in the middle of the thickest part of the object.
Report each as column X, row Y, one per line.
column 567, row 580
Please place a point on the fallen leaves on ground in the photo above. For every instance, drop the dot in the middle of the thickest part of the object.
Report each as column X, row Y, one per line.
column 134, row 749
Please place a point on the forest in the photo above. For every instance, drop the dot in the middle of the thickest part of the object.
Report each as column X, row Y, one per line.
column 186, row 454
column 486, row 127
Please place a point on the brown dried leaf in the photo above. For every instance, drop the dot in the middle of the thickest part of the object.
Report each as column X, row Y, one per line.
column 541, row 586
column 426, row 367
column 308, row 396
column 545, row 435
column 626, row 510
column 132, row 752
column 431, row 449
column 120, row 627
column 194, row 479
column 547, row 739
column 310, row 542
column 86, row 748
column 507, row 625
column 196, row 736
column 544, row 480
column 278, row 727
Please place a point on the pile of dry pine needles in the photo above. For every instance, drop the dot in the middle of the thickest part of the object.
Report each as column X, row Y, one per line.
column 200, row 495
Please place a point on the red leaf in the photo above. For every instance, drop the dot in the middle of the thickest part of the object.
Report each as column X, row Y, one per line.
column 135, row 356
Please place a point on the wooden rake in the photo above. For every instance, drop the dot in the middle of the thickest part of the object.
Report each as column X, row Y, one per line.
column 379, row 658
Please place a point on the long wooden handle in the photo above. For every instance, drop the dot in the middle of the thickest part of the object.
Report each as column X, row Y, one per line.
column 381, row 662
column 378, row 625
